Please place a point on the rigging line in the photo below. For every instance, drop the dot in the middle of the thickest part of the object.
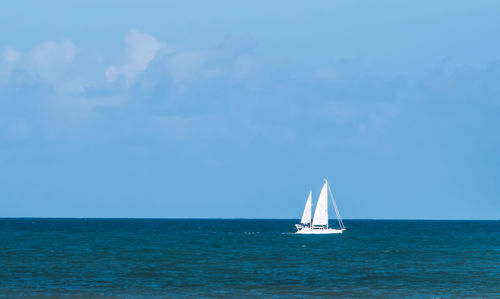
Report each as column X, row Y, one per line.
column 341, row 224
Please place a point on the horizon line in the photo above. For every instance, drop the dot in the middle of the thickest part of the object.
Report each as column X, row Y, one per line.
column 240, row 218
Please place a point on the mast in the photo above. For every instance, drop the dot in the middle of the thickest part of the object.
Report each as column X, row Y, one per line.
column 327, row 219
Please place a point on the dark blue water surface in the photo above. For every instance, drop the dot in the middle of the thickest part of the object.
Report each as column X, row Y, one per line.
column 256, row 258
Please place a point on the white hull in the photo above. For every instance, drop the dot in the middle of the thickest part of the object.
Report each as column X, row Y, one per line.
column 318, row 231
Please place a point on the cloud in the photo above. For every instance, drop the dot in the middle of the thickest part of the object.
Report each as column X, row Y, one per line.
column 60, row 64
column 11, row 55
column 53, row 62
column 58, row 90
column 184, row 64
column 52, row 54
column 141, row 49
column 44, row 90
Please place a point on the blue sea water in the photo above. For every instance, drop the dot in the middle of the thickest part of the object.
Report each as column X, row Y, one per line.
column 193, row 258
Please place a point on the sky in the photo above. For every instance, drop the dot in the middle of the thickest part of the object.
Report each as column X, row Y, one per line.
column 231, row 109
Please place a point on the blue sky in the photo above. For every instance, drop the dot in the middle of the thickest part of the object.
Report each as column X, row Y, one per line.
column 227, row 109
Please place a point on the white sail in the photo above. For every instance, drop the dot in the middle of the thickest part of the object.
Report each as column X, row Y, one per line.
column 306, row 216
column 321, row 211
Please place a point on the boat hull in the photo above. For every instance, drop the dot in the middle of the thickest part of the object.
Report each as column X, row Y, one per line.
column 318, row 231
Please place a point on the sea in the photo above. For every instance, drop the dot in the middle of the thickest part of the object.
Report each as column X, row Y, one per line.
column 241, row 258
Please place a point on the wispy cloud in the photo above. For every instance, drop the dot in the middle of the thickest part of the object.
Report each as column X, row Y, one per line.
column 11, row 55
column 59, row 90
column 140, row 50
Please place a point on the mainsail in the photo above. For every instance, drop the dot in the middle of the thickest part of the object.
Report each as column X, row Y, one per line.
column 306, row 216
column 321, row 211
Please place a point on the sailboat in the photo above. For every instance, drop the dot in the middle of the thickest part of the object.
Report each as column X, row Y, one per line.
column 319, row 224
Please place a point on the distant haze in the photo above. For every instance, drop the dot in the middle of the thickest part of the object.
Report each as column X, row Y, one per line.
column 230, row 109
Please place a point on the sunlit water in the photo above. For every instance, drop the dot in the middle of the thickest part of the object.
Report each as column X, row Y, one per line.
column 257, row 258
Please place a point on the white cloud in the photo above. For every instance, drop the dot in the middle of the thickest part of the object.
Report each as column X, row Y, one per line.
column 141, row 50
column 55, row 62
column 69, row 88
column 244, row 65
column 182, row 65
column 111, row 73
column 60, row 64
column 52, row 54
column 11, row 55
